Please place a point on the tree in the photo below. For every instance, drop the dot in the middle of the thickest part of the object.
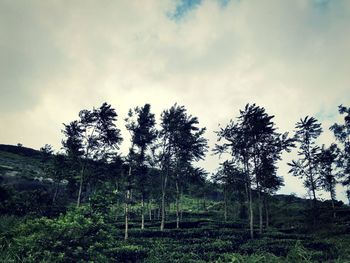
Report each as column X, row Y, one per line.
column 182, row 142
column 247, row 140
column 327, row 158
column 93, row 137
column 232, row 180
column 54, row 167
column 342, row 134
column 308, row 130
column 141, row 125
column 270, row 182
column 198, row 185
column 46, row 152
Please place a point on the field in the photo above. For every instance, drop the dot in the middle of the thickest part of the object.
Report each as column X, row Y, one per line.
column 84, row 236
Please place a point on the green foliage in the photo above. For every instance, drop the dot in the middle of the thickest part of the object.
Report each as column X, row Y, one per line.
column 299, row 254
column 254, row 258
column 78, row 236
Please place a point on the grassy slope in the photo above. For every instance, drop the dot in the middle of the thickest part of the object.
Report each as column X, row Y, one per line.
column 205, row 237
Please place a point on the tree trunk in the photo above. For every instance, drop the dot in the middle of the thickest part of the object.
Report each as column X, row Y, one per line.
column 163, row 206
column 177, row 204
column 116, row 211
column 251, row 215
column 142, row 213
column 56, row 192
column 127, row 201
column 225, row 204
column 267, row 211
column 333, row 207
column 246, row 202
column 150, row 210
column 159, row 211
column 313, row 189
column 180, row 199
column 126, row 234
column 260, row 213
column 80, row 185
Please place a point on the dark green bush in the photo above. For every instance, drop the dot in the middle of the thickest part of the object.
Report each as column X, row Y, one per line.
column 78, row 236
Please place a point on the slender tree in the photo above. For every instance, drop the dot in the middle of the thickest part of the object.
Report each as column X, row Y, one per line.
column 141, row 125
column 342, row 134
column 253, row 135
column 327, row 159
column 182, row 143
column 93, row 137
column 231, row 177
column 308, row 130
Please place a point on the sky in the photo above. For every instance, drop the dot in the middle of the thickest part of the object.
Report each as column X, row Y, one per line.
column 212, row 56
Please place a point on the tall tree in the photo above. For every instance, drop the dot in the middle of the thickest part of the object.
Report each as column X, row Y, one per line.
column 327, row 159
column 270, row 182
column 231, row 177
column 182, row 143
column 307, row 131
column 342, row 134
column 141, row 125
column 54, row 167
column 246, row 140
column 93, row 137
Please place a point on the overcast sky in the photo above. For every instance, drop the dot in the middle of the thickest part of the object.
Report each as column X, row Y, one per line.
column 213, row 56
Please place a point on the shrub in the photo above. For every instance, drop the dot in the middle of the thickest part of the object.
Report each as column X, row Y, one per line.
column 75, row 237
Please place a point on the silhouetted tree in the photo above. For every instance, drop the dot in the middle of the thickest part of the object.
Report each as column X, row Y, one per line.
column 327, row 159
column 232, row 180
column 141, row 125
column 182, row 143
column 247, row 140
column 93, row 137
column 308, row 130
column 342, row 134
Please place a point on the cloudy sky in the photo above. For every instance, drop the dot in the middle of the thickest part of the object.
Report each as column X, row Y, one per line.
column 213, row 56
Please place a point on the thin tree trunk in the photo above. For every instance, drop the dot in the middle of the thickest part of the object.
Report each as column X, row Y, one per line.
column 142, row 213
column 248, row 193
column 333, row 206
column 56, row 192
column 180, row 199
column 260, row 213
column 127, row 201
column 159, row 211
column 149, row 206
column 251, row 215
column 126, row 234
column 80, row 185
column 177, row 204
column 116, row 211
column 314, row 208
column 313, row 188
column 150, row 210
column 256, row 153
column 225, row 204
column 267, row 211
column 163, row 204
column 246, row 203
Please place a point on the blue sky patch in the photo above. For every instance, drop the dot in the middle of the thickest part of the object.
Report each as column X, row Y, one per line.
column 183, row 7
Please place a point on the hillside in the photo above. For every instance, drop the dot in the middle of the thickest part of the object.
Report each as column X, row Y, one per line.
column 204, row 235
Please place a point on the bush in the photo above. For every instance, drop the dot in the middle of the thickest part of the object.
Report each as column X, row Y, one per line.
column 77, row 236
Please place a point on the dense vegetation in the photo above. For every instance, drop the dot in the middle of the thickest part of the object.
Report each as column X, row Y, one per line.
column 88, row 202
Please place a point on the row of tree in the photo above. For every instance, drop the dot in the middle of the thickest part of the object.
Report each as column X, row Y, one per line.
column 161, row 159
column 165, row 155
column 255, row 147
